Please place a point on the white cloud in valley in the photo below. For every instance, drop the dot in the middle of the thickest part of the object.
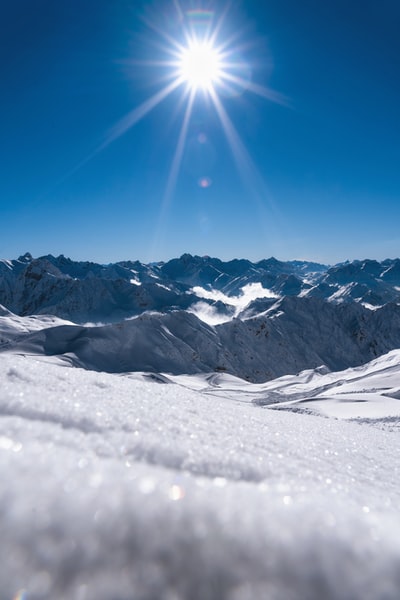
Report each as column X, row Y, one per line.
column 213, row 316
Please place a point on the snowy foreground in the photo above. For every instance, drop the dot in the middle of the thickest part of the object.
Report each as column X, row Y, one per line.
column 122, row 487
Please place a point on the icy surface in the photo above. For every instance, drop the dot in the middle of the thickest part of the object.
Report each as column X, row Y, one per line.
column 121, row 487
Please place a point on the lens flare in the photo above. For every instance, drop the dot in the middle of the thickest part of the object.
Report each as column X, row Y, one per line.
column 205, row 182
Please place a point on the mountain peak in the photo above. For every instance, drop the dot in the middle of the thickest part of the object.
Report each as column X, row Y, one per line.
column 27, row 257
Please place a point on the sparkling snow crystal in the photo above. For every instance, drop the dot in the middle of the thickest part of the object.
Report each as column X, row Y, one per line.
column 121, row 487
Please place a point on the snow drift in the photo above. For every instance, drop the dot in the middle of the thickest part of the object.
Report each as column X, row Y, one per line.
column 120, row 487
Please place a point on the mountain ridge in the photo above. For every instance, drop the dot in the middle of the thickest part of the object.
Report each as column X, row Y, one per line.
column 193, row 314
column 37, row 285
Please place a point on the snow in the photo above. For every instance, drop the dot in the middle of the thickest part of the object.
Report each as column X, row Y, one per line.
column 120, row 486
column 168, row 477
column 368, row 392
column 371, row 306
column 11, row 326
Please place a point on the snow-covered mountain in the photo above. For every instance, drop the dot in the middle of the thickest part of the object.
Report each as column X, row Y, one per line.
column 368, row 281
column 87, row 291
column 293, row 335
column 160, row 469
column 195, row 314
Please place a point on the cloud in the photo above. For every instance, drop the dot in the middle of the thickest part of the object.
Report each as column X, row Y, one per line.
column 212, row 316
column 209, row 314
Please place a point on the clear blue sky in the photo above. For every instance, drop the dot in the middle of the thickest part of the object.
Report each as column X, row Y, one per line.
column 323, row 181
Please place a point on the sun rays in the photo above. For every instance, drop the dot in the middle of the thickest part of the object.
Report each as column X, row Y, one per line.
column 199, row 64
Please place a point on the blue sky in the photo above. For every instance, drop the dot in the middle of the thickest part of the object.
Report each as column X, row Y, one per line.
column 316, row 176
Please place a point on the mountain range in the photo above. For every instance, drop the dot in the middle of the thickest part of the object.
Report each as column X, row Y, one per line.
column 256, row 320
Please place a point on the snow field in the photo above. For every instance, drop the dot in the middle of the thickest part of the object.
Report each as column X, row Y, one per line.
column 116, row 487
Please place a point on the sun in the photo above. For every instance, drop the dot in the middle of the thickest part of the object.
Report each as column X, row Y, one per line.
column 200, row 65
